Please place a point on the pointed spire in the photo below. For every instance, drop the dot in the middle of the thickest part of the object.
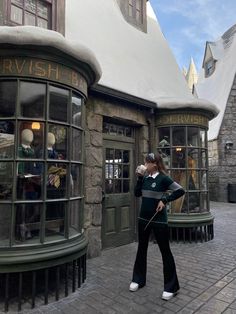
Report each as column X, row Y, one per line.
column 191, row 76
column 184, row 71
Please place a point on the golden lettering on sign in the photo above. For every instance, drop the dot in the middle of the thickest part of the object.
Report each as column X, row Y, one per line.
column 32, row 67
column 182, row 119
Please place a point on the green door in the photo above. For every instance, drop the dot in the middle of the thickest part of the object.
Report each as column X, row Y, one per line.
column 118, row 202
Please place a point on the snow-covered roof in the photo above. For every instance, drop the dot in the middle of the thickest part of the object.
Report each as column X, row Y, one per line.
column 31, row 35
column 216, row 88
column 133, row 62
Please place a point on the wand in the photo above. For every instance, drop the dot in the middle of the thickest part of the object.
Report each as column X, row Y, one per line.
column 150, row 221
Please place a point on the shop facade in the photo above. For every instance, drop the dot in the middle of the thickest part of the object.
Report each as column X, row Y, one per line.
column 70, row 142
column 42, row 240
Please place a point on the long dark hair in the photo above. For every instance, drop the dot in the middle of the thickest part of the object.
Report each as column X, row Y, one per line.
column 156, row 159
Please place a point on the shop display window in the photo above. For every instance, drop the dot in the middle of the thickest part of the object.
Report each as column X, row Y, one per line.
column 38, row 179
column 184, row 151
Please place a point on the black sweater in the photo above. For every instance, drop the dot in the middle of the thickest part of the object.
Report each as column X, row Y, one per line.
column 152, row 191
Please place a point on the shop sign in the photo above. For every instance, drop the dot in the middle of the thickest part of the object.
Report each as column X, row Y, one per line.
column 43, row 69
column 182, row 119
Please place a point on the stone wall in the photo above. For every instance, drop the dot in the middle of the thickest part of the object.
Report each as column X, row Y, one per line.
column 222, row 165
column 96, row 109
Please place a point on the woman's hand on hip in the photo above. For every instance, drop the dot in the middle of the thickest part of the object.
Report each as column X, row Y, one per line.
column 160, row 206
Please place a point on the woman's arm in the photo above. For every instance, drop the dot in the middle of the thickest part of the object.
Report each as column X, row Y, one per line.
column 138, row 186
column 177, row 189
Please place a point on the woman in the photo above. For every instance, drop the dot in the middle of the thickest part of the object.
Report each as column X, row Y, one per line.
column 153, row 216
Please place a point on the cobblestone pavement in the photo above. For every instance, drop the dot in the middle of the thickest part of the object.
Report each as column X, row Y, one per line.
column 207, row 275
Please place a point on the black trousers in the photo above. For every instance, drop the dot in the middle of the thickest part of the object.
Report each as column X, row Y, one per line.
column 171, row 283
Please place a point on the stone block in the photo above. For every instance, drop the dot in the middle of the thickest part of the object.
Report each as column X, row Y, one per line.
column 94, row 122
column 93, row 235
column 97, row 215
column 93, row 195
column 96, row 138
column 87, row 138
column 92, row 176
column 88, row 209
column 93, row 157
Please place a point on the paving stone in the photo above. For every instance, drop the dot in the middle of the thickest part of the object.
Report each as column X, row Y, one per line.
column 206, row 271
column 230, row 311
column 214, row 306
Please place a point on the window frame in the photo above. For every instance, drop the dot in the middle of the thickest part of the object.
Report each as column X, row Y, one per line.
column 209, row 67
column 49, row 19
column 43, row 201
column 125, row 9
column 198, row 170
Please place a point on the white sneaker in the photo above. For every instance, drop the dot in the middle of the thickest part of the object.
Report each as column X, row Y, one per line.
column 167, row 295
column 133, row 286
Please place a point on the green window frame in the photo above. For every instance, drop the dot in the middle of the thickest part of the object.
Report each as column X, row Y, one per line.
column 41, row 162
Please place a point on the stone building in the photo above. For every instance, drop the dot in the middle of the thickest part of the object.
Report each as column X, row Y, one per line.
column 217, row 83
column 78, row 114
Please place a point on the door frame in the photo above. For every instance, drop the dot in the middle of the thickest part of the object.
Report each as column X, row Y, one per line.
column 119, row 140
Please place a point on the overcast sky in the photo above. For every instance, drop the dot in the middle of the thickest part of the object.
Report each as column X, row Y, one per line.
column 188, row 24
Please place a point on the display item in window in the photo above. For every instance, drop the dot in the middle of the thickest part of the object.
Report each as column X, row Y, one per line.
column 56, row 184
column 28, row 188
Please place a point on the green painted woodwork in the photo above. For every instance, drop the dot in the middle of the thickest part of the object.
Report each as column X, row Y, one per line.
column 118, row 217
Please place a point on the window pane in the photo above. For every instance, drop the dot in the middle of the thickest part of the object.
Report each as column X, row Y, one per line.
column 76, row 110
column 203, row 158
column 56, row 181
column 29, row 180
column 16, row 15
column 138, row 4
column 74, row 214
column 193, row 157
column 130, row 10
column 30, row 19
column 117, row 186
column 178, row 158
column 27, row 222
column 180, row 176
column 42, row 23
column 43, row 9
column 77, row 145
column 8, row 92
column 204, row 207
column 32, row 99
column 126, row 186
column 109, row 155
column 30, row 5
column 58, row 103
column 6, row 180
column 126, row 173
column 5, row 223
column 55, row 219
column 178, row 135
column 179, row 205
column 18, row 2
column 193, row 180
column 138, row 16
column 203, row 142
column 75, row 180
column 7, row 139
column 193, row 136
column 163, row 138
column 31, row 140
column 126, row 156
column 60, row 147
column 204, row 185
column 194, row 202
column 109, row 185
